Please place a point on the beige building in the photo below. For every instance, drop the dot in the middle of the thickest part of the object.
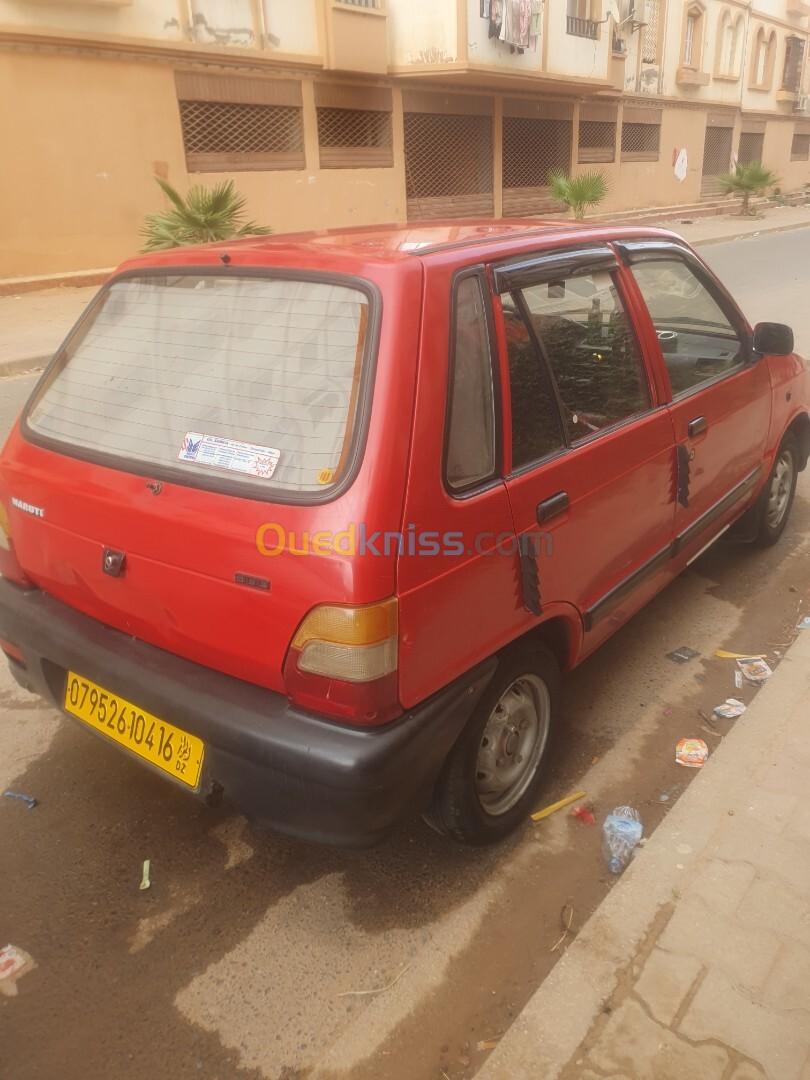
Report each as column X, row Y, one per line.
column 340, row 112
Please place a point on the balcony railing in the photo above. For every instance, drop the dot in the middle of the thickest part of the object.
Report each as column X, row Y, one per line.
column 586, row 28
column 363, row 3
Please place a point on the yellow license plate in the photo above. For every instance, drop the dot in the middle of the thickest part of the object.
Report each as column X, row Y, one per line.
column 174, row 751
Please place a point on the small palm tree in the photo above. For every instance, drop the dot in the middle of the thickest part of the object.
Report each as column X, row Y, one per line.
column 578, row 192
column 748, row 180
column 205, row 215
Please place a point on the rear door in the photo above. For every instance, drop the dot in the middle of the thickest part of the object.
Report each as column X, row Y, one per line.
column 591, row 465
column 721, row 395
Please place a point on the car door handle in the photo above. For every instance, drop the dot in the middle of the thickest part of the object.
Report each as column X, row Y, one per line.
column 697, row 426
column 552, row 506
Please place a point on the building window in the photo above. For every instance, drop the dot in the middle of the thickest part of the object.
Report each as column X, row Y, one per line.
column 792, row 72
column 728, row 45
column 649, row 34
column 597, row 134
column 641, row 134
column 800, row 147
column 354, row 127
column 750, row 149
column 763, row 59
column 580, row 20
column 689, row 39
column 232, row 124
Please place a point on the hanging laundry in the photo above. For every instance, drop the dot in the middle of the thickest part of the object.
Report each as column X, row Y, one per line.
column 516, row 23
column 495, row 18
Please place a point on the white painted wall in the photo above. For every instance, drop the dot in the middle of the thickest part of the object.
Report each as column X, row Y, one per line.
column 292, row 23
column 422, row 32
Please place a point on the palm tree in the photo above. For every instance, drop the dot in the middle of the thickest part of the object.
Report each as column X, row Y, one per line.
column 748, row 180
column 578, row 192
column 205, row 215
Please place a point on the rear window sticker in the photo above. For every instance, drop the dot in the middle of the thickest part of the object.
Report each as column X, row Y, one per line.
column 218, row 453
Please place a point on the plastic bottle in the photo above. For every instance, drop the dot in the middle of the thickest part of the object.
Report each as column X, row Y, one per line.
column 621, row 832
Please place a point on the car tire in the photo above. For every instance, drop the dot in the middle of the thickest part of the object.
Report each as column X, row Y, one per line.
column 777, row 496
column 491, row 777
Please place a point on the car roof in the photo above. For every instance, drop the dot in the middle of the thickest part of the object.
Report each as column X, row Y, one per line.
column 374, row 244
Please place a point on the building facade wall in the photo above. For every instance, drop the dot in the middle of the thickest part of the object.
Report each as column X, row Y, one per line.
column 94, row 112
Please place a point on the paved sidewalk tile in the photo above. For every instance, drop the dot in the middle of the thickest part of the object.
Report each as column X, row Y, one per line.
column 635, row 1044
column 724, row 1012
column 665, row 981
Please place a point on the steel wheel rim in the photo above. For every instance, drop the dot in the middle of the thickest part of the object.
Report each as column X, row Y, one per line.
column 512, row 744
column 780, row 489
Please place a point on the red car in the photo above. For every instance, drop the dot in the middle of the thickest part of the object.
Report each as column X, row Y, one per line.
column 316, row 522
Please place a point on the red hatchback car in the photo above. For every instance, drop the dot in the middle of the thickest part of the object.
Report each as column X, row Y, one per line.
column 317, row 521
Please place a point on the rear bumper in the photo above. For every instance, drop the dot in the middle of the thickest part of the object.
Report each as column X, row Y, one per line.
column 298, row 772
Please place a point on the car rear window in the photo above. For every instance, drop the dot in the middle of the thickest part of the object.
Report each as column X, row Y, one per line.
column 247, row 379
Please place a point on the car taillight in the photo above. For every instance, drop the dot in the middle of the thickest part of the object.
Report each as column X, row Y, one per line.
column 9, row 566
column 343, row 662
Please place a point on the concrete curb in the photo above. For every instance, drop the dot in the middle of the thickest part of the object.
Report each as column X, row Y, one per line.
column 22, row 366
column 547, row 1034
column 725, row 239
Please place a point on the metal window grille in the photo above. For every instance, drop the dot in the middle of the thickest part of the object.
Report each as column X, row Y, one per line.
column 577, row 27
column 800, row 148
column 750, row 149
column 532, row 148
column 716, row 158
column 597, row 141
column 354, row 138
column 363, row 3
column 649, row 36
column 794, row 53
column 641, row 142
column 448, row 165
column 226, row 135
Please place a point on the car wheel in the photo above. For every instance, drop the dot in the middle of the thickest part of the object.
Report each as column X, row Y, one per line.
column 777, row 496
column 490, row 780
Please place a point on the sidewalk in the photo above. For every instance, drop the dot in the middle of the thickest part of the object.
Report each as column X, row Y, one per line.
column 33, row 324
column 697, row 964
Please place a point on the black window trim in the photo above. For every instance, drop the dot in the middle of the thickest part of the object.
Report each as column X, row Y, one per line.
column 222, row 485
column 522, row 273
column 655, row 250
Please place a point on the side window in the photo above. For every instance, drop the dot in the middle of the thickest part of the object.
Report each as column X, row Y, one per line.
column 697, row 340
column 536, row 429
column 471, row 414
column 591, row 349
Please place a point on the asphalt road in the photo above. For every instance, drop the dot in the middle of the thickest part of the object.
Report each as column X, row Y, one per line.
column 254, row 956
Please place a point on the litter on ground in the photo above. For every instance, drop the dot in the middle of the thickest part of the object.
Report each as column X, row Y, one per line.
column 691, row 752
column 803, row 623
column 721, row 654
column 730, row 709
column 14, row 963
column 538, row 815
column 585, row 815
column 145, row 882
column 755, row 670
column 682, row 655
column 29, row 800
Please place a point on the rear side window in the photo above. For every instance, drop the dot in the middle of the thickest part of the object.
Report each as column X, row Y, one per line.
column 250, row 380
column 471, row 425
